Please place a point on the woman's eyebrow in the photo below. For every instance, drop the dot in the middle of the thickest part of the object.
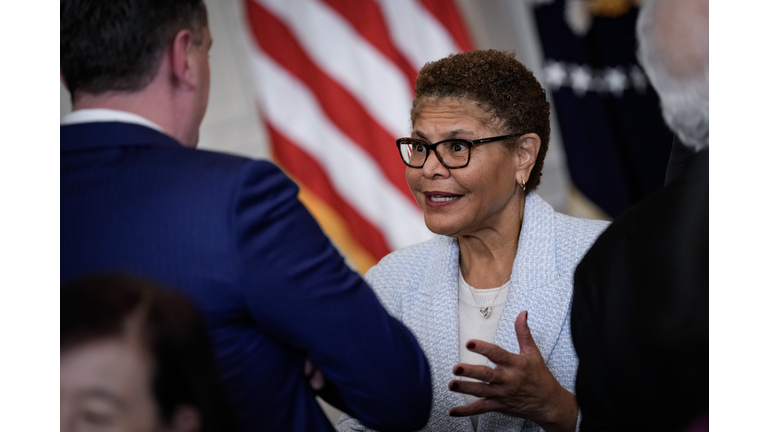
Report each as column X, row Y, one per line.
column 460, row 132
column 452, row 134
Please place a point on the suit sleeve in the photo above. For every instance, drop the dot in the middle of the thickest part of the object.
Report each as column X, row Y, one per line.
column 304, row 295
column 388, row 296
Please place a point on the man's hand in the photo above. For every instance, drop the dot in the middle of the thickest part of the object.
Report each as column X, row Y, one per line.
column 323, row 387
column 520, row 385
column 314, row 377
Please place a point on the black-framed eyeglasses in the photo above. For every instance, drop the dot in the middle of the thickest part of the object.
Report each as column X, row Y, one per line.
column 452, row 153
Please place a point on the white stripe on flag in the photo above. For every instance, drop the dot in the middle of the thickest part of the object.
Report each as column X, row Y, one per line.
column 416, row 32
column 349, row 59
column 293, row 110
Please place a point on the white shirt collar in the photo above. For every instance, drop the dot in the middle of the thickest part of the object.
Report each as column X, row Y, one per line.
column 92, row 115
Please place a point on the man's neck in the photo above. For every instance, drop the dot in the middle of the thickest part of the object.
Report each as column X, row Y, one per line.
column 154, row 104
column 90, row 115
column 132, row 102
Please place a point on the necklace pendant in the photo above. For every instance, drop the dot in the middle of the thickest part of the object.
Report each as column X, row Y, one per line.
column 485, row 312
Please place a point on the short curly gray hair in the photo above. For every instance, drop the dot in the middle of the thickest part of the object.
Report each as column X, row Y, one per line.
column 500, row 84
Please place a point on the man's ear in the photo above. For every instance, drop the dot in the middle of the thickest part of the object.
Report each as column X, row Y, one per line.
column 181, row 59
column 527, row 152
column 186, row 418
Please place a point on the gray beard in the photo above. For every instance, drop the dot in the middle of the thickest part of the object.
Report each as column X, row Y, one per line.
column 690, row 123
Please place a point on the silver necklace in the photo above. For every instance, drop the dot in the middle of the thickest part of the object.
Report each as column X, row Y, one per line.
column 485, row 311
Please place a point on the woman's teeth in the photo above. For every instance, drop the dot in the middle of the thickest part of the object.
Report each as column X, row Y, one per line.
column 442, row 198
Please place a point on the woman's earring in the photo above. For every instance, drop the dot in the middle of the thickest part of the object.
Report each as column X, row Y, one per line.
column 522, row 184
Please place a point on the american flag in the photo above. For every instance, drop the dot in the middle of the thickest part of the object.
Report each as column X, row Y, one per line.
column 334, row 82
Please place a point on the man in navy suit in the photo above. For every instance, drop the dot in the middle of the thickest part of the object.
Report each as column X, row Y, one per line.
column 227, row 231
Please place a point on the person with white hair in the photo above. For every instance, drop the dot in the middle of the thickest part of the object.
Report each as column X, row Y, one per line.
column 640, row 313
column 673, row 39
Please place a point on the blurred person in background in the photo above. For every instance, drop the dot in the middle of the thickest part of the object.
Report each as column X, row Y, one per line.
column 228, row 231
column 641, row 295
column 136, row 358
column 503, row 259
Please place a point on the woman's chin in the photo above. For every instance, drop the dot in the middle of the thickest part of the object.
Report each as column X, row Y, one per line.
column 445, row 229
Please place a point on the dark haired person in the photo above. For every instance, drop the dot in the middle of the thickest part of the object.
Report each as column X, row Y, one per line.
column 136, row 358
column 496, row 283
column 641, row 294
column 228, row 231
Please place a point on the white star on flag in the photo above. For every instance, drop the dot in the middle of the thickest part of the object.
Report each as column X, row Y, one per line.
column 616, row 80
column 580, row 80
column 555, row 74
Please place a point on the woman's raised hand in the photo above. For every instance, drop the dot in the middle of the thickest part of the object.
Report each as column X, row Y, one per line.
column 520, row 385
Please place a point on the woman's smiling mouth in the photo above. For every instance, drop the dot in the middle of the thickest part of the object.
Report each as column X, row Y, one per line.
column 440, row 198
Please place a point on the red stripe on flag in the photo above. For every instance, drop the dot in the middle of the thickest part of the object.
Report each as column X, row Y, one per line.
column 341, row 107
column 449, row 16
column 366, row 17
column 306, row 170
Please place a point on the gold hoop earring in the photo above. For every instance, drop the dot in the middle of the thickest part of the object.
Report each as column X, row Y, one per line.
column 522, row 184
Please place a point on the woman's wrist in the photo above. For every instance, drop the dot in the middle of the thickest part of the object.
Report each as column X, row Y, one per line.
column 564, row 416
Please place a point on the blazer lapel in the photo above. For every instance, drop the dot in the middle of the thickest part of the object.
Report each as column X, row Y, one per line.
column 440, row 329
column 534, row 282
column 536, row 289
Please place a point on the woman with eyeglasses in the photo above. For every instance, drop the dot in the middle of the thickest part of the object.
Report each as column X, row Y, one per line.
column 489, row 298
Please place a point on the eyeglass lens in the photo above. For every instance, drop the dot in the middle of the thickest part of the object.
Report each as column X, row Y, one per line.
column 453, row 153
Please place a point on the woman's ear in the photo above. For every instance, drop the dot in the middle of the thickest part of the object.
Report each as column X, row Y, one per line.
column 186, row 418
column 527, row 151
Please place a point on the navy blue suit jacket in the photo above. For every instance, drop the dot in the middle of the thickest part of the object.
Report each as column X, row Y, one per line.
column 231, row 234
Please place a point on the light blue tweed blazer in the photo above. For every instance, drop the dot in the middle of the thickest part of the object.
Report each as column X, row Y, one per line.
column 419, row 286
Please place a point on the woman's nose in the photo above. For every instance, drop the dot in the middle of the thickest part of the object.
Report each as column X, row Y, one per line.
column 432, row 167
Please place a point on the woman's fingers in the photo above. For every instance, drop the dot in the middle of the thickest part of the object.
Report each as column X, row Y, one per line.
column 520, row 384
column 493, row 352
column 477, row 389
column 477, row 407
column 524, row 336
column 478, row 372
column 499, row 355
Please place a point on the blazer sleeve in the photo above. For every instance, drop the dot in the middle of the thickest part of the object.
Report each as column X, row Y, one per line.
column 301, row 292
